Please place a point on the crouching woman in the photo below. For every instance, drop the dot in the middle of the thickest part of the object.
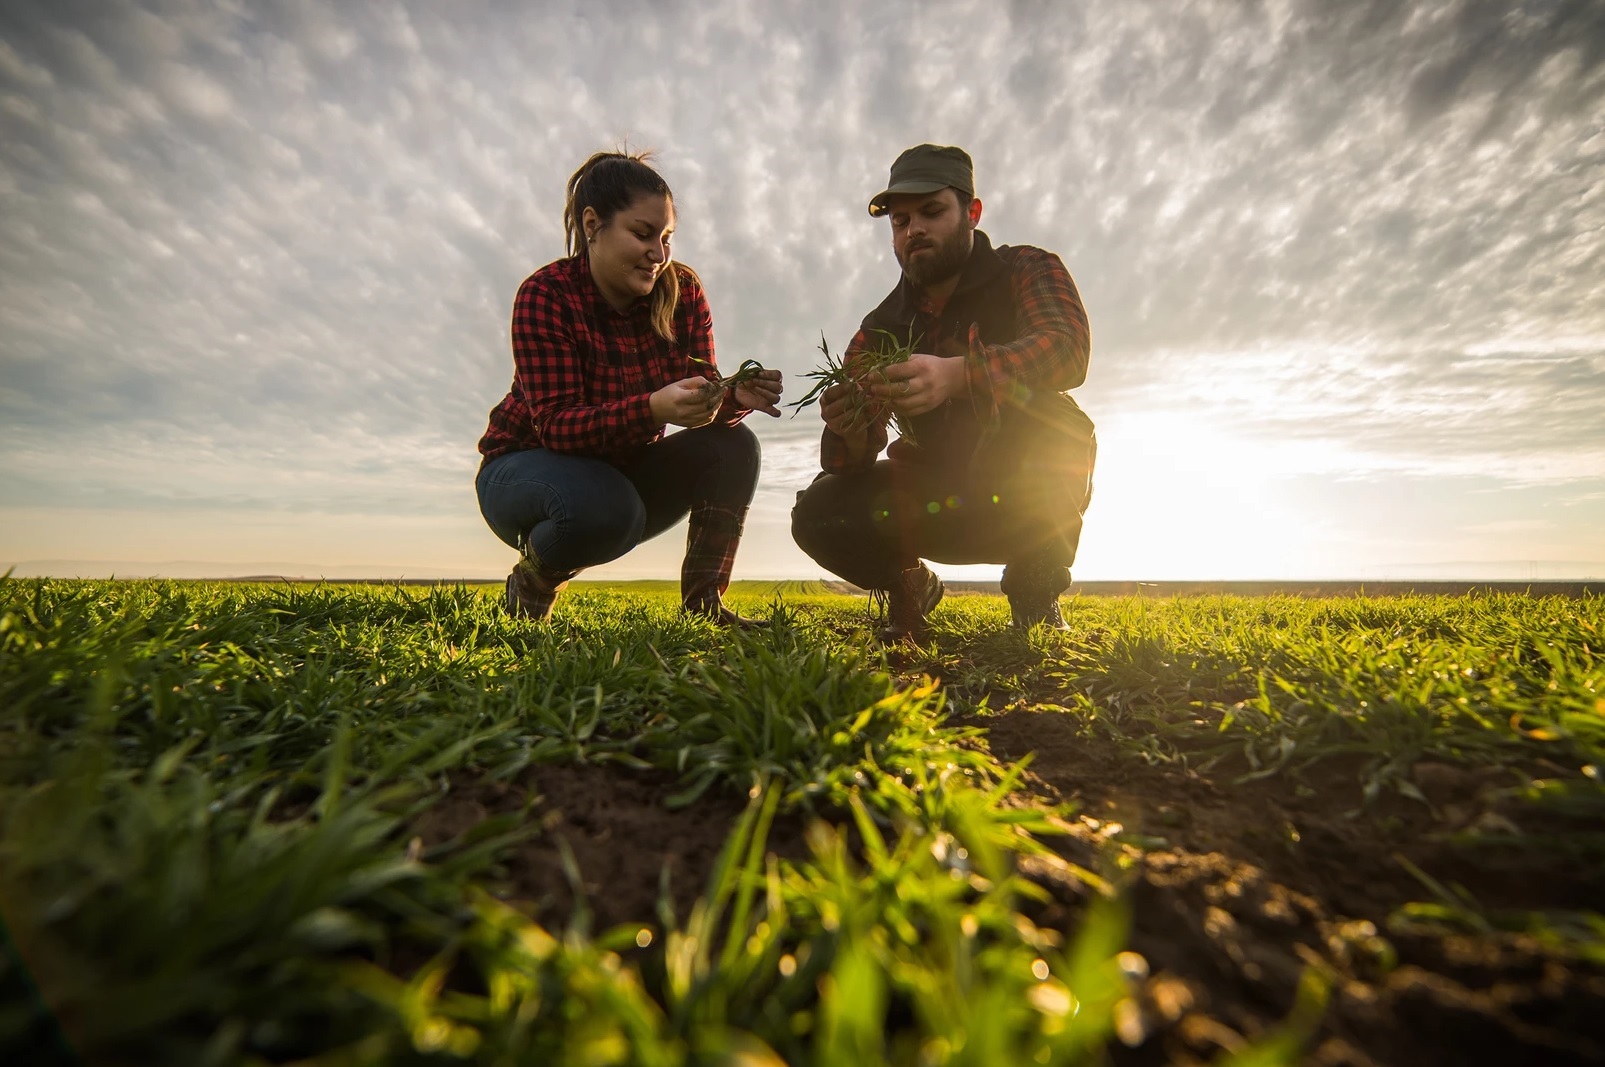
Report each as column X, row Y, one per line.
column 611, row 345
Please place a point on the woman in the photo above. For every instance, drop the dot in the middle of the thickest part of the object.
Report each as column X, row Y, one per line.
column 611, row 345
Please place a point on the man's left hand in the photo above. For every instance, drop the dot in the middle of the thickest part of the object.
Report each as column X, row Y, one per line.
column 922, row 383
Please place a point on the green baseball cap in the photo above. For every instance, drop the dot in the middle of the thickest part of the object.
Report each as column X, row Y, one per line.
column 925, row 168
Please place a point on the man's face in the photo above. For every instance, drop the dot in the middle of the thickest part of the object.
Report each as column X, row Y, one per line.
column 930, row 235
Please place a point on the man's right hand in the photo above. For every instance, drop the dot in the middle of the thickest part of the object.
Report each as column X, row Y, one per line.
column 690, row 402
column 847, row 416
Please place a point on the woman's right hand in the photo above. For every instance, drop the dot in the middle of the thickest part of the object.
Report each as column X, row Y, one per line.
column 690, row 402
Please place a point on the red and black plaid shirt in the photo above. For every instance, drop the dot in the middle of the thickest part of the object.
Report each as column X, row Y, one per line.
column 584, row 374
column 1050, row 350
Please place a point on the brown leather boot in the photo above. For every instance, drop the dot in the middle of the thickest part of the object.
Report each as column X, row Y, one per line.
column 911, row 597
column 1033, row 590
column 710, row 555
column 532, row 588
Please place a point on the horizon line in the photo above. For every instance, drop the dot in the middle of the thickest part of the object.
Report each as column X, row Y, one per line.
column 952, row 583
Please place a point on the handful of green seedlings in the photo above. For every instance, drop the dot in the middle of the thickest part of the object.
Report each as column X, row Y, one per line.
column 868, row 366
column 749, row 369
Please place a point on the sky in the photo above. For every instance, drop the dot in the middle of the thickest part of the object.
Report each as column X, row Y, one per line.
column 1344, row 262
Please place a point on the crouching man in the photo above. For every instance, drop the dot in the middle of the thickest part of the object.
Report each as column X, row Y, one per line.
column 994, row 461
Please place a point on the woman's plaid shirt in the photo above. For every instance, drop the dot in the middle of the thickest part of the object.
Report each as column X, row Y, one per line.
column 584, row 374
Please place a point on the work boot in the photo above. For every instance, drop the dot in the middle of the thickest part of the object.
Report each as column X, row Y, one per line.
column 710, row 554
column 532, row 588
column 913, row 594
column 1033, row 590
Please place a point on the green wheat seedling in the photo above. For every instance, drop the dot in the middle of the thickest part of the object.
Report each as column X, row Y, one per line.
column 867, row 367
column 749, row 369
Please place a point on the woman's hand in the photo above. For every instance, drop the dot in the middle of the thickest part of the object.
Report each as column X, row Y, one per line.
column 761, row 393
column 690, row 402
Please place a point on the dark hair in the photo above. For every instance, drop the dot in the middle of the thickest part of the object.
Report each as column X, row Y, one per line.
column 608, row 183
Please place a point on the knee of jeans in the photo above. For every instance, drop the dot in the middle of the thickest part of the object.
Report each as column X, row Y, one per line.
column 802, row 527
column 811, row 520
column 604, row 532
column 741, row 449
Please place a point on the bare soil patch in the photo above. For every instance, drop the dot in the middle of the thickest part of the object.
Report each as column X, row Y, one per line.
column 616, row 824
column 1239, row 887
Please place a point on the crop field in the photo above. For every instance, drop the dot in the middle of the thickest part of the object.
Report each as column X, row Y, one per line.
column 351, row 825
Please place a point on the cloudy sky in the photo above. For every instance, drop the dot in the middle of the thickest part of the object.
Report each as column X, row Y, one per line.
column 1344, row 262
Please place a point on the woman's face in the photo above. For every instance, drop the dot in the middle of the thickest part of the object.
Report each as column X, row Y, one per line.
column 631, row 250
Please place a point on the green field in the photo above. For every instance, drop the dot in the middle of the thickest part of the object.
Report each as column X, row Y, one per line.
column 278, row 823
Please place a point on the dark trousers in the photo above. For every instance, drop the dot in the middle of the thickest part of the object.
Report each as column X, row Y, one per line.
column 866, row 527
column 578, row 511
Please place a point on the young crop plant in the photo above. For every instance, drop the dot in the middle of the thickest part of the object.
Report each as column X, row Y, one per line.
column 867, row 366
column 749, row 369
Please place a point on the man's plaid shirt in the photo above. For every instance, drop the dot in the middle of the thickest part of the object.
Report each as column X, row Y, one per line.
column 584, row 374
column 1050, row 350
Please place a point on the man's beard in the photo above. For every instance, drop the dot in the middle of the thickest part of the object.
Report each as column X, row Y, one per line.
column 940, row 262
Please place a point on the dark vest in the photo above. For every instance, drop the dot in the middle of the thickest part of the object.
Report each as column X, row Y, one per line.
column 984, row 298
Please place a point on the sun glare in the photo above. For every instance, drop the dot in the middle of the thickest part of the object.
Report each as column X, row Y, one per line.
column 1179, row 497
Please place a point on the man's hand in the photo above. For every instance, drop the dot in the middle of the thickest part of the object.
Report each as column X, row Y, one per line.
column 922, row 383
column 847, row 416
column 761, row 393
column 690, row 402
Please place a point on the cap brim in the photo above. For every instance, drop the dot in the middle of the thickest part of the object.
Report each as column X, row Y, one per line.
column 877, row 203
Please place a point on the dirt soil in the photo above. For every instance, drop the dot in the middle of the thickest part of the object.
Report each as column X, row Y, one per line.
column 1236, row 889
column 620, row 831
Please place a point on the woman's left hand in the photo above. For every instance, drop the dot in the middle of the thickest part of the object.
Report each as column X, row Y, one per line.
column 761, row 393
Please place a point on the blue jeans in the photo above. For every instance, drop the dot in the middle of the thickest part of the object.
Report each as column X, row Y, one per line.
column 579, row 511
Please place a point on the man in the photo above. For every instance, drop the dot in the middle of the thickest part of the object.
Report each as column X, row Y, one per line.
column 994, row 464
